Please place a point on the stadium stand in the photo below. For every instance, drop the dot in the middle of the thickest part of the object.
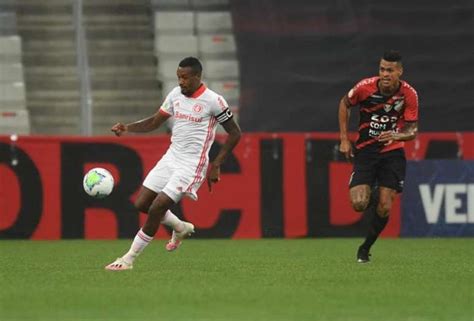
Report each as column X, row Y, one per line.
column 49, row 59
column 202, row 28
column 14, row 117
column 122, row 64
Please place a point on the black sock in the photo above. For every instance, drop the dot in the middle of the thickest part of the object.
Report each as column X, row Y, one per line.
column 376, row 227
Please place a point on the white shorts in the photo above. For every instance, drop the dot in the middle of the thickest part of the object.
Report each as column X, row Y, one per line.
column 175, row 180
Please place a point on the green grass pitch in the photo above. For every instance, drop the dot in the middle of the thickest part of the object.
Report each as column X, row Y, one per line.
column 235, row 280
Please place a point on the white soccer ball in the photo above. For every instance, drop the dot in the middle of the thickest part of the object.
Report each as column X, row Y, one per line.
column 98, row 182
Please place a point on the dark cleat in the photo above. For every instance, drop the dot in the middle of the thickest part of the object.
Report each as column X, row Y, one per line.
column 363, row 255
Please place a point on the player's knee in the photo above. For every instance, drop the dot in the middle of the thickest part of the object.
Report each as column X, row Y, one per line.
column 142, row 206
column 157, row 207
column 383, row 208
column 359, row 205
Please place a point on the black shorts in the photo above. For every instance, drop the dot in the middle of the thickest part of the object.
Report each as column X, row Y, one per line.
column 381, row 169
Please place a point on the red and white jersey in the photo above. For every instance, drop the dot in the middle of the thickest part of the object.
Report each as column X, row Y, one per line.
column 195, row 120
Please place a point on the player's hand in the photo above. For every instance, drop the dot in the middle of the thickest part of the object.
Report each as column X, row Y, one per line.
column 386, row 137
column 213, row 175
column 119, row 129
column 345, row 148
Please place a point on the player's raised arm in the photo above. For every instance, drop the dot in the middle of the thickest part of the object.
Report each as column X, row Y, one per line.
column 142, row 126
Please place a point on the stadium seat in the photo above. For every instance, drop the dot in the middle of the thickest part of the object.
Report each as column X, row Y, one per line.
column 230, row 89
column 217, row 45
column 174, row 22
column 176, row 45
column 14, row 122
column 10, row 49
column 167, row 69
column 11, row 73
column 8, row 23
column 219, row 69
column 170, row 4
column 12, row 95
column 213, row 22
column 168, row 86
column 210, row 4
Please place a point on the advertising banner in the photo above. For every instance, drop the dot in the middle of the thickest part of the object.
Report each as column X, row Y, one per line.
column 439, row 199
column 273, row 185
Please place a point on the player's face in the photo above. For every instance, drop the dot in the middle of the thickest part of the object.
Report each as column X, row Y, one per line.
column 188, row 80
column 389, row 73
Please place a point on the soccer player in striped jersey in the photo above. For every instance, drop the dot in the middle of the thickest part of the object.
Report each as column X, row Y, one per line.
column 196, row 111
column 388, row 116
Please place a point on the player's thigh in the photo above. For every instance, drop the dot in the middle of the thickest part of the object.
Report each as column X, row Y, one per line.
column 364, row 169
column 392, row 169
column 145, row 199
column 159, row 176
column 360, row 196
column 362, row 178
column 183, row 182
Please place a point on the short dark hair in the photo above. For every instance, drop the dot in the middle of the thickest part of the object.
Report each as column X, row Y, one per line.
column 392, row 56
column 192, row 62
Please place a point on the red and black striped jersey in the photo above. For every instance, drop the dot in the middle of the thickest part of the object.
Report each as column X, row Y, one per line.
column 378, row 113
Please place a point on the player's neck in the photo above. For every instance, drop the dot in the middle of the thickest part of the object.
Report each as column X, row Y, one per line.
column 197, row 91
column 389, row 91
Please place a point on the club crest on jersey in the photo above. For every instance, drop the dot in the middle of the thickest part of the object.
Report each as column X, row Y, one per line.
column 387, row 107
column 398, row 105
column 197, row 108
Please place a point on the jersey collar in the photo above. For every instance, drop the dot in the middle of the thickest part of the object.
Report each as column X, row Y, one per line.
column 198, row 91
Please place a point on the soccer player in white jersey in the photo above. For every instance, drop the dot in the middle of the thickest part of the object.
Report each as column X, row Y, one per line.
column 196, row 111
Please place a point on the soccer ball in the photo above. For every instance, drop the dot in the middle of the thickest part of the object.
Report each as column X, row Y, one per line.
column 98, row 182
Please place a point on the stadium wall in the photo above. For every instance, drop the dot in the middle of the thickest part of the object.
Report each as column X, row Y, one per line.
column 274, row 185
column 298, row 58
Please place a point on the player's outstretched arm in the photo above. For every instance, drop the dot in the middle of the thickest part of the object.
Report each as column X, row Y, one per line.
column 141, row 126
column 234, row 133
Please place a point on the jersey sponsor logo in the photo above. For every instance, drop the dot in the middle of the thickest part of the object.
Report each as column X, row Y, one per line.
column 382, row 123
column 197, row 108
column 187, row 117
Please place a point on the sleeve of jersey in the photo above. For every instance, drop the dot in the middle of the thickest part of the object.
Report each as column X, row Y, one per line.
column 411, row 108
column 221, row 110
column 167, row 107
column 353, row 95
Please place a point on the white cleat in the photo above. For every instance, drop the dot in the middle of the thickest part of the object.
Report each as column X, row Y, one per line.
column 119, row 265
column 177, row 237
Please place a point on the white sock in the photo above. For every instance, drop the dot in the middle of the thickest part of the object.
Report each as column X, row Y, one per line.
column 172, row 221
column 139, row 243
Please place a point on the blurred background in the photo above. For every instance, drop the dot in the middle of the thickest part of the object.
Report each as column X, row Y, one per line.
column 76, row 67
column 69, row 70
